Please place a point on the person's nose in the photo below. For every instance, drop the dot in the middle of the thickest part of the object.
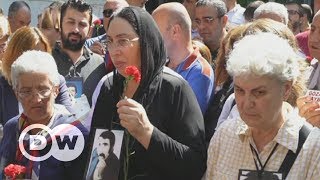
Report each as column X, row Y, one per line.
column 201, row 26
column 248, row 101
column 114, row 51
column 35, row 98
column 76, row 28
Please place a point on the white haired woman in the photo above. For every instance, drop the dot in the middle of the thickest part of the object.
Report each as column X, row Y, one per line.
column 35, row 81
column 265, row 140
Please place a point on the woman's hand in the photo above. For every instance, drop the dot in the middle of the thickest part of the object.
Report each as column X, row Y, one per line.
column 309, row 109
column 134, row 118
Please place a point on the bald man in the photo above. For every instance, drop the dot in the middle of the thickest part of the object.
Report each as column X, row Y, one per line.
column 175, row 26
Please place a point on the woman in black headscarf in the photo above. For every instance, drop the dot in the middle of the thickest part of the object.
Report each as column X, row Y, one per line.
column 160, row 113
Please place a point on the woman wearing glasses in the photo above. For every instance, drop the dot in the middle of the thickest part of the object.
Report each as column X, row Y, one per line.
column 24, row 39
column 160, row 113
column 35, row 80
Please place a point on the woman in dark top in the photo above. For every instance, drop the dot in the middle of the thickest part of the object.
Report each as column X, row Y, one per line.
column 164, row 124
column 24, row 39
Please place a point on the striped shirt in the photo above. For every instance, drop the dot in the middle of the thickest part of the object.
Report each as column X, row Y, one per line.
column 229, row 150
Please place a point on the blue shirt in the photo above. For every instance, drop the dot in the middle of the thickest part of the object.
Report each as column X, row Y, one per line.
column 199, row 74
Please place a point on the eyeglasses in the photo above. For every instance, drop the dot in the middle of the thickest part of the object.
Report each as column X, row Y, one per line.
column 43, row 94
column 293, row 12
column 120, row 43
column 206, row 20
column 107, row 13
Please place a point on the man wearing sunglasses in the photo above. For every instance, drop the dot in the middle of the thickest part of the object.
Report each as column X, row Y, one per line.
column 97, row 44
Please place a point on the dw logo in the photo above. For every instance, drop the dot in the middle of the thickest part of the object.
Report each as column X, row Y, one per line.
column 67, row 142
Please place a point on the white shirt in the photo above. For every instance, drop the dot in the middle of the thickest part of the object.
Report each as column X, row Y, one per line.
column 229, row 150
column 235, row 16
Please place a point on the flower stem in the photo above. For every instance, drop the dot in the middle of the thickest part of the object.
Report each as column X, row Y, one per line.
column 126, row 159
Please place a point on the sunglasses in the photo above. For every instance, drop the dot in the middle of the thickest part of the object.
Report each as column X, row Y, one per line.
column 107, row 13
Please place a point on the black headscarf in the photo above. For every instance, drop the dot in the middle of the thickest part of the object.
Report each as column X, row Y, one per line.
column 153, row 54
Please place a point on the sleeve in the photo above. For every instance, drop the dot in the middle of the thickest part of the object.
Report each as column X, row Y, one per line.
column 202, row 85
column 63, row 96
column 8, row 144
column 180, row 151
column 226, row 110
column 89, row 42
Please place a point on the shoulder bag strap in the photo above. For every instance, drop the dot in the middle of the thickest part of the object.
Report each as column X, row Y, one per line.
column 291, row 157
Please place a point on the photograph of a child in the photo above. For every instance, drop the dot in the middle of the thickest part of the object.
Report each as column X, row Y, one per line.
column 104, row 160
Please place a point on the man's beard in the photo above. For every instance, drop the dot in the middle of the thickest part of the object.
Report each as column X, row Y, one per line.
column 73, row 46
column 295, row 26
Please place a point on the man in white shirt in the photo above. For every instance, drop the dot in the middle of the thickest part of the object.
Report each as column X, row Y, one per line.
column 235, row 13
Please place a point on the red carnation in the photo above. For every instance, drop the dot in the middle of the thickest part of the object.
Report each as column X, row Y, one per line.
column 97, row 22
column 133, row 73
column 14, row 171
column 309, row 58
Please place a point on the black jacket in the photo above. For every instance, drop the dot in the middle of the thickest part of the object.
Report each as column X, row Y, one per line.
column 177, row 146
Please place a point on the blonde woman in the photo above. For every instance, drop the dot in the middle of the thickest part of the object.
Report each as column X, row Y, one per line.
column 24, row 39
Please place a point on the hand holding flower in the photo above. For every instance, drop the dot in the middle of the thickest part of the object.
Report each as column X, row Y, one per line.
column 134, row 118
column 129, row 109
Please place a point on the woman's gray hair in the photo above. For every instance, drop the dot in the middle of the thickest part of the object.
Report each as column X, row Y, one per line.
column 273, row 8
column 35, row 61
column 264, row 54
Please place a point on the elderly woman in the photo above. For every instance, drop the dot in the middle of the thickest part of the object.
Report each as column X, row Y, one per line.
column 260, row 25
column 25, row 38
column 255, row 145
column 35, row 81
column 160, row 113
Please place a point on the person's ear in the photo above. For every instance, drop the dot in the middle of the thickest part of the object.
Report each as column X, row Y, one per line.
column 176, row 30
column 224, row 20
column 55, row 91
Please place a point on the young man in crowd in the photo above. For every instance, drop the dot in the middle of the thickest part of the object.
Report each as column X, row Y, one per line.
column 75, row 61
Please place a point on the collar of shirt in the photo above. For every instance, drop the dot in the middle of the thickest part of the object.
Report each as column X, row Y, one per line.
column 189, row 60
column 235, row 9
column 85, row 56
column 288, row 134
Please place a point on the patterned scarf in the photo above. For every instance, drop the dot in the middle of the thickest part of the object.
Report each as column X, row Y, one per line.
column 32, row 167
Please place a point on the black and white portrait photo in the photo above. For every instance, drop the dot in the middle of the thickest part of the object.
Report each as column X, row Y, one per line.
column 104, row 160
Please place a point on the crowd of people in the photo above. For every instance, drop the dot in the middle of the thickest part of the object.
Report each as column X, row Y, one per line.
column 218, row 91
